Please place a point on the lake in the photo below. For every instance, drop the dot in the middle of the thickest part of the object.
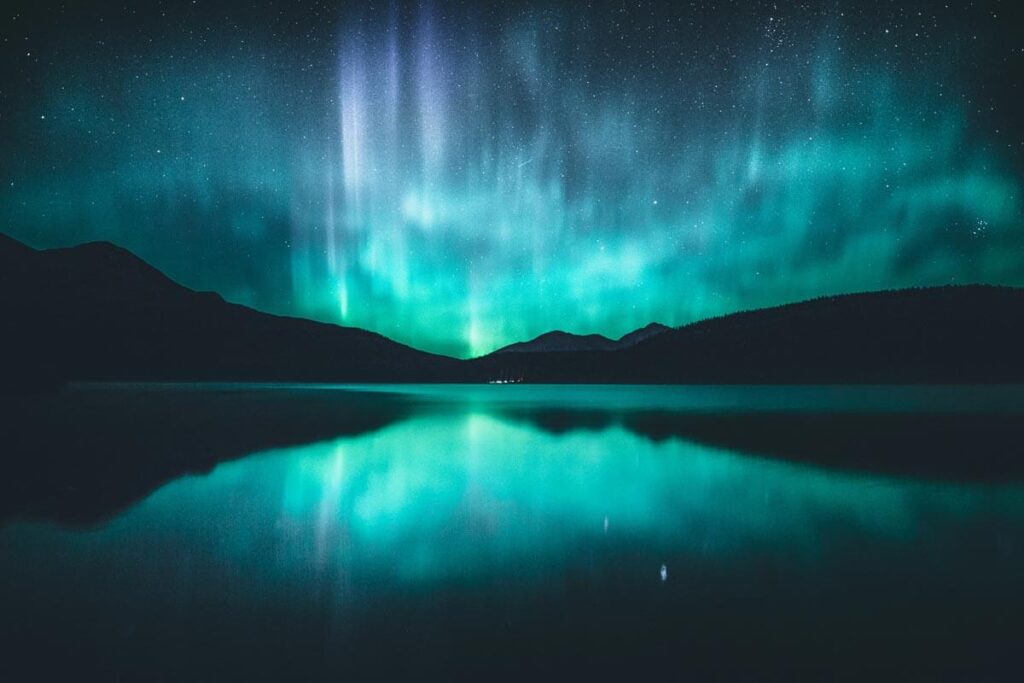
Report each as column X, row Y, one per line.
column 291, row 532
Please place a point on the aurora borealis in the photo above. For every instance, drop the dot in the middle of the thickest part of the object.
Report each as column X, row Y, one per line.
column 459, row 177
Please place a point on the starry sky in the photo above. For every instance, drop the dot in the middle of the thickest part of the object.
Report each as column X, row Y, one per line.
column 460, row 176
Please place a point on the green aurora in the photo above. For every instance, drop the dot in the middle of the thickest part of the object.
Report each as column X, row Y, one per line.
column 459, row 178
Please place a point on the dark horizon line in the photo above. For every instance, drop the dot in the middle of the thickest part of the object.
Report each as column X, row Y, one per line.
column 691, row 324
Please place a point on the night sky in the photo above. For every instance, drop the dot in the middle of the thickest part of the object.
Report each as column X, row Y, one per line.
column 458, row 176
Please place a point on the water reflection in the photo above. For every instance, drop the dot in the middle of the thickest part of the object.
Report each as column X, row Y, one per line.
column 84, row 453
column 444, row 497
column 87, row 452
column 463, row 536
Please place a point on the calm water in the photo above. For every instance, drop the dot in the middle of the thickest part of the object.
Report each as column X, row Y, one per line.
column 507, row 531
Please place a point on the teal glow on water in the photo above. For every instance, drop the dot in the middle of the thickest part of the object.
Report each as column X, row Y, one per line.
column 469, row 535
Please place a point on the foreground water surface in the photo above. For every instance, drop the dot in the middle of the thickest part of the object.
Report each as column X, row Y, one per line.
column 224, row 532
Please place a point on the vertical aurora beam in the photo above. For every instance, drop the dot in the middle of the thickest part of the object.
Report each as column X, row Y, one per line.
column 355, row 162
column 431, row 93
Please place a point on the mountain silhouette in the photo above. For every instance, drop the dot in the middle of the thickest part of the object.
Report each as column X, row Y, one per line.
column 645, row 332
column 566, row 341
column 961, row 334
column 98, row 312
column 561, row 341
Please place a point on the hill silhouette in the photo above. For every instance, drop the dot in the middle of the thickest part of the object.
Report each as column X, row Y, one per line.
column 98, row 312
column 964, row 334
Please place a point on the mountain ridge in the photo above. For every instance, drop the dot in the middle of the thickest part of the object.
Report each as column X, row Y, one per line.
column 99, row 312
column 559, row 340
column 129, row 321
column 951, row 334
